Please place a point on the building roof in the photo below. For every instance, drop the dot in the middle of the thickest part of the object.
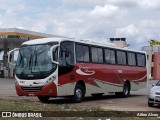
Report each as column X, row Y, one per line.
column 24, row 33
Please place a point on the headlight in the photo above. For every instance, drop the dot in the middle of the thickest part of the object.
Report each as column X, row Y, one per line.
column 50, row 80
column 151, row 92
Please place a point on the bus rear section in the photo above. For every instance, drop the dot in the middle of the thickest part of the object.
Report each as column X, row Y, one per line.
column 99, row 70
column 60, row 68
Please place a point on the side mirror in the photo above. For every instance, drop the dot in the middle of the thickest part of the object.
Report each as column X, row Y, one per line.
column 153, row 85
column 10, row 56
column 54, row 54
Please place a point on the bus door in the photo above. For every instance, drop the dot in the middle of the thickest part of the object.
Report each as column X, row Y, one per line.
column 66, row 65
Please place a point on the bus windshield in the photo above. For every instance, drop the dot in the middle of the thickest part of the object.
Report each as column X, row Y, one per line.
column 34, row 60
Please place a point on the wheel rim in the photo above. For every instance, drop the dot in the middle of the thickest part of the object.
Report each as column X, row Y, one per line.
column 78, row 94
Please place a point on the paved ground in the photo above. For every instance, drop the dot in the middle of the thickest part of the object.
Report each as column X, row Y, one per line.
column 136, row 102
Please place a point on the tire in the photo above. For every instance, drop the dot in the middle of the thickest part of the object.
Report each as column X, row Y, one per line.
column 78, row 94
column 125, row 93
column 150, row 104
column 98, row 95
column 43, row 99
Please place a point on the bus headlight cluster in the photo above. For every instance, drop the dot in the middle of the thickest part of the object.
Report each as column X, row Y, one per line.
column 51, row 79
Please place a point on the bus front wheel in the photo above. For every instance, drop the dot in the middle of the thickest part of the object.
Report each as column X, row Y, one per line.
column 78, row 94
column 43, row 99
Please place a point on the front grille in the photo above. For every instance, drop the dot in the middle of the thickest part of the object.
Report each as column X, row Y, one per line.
column 31, row 89
column 151, row 99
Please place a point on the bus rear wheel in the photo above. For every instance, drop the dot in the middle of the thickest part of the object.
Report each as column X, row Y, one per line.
column 78, row 94
column 126, row 91
column 43, row 99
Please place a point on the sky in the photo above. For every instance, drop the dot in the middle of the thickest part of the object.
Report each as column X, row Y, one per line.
column 136, row 20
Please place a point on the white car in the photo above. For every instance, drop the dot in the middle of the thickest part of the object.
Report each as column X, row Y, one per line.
column 154, row 95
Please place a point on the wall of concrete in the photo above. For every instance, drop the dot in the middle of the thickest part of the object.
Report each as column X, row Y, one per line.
column 156, row 66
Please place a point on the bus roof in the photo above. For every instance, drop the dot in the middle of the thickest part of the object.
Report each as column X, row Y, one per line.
column 86, row 41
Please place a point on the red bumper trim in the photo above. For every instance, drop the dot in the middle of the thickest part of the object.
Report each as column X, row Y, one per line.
column 47, row 90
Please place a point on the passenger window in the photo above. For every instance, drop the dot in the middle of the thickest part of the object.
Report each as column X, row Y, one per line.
column 82, row 53
column 121, row 58
column 97, row 54
column 113, row 60
column 124, row 58
column 141, row 60
column 109, row 56
column 66, row 54
column 100, row 55
column 79, row 52
column 94, row 52
column 86, row 53
column 131, row 59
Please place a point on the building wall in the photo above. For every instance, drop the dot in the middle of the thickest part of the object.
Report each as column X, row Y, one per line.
column 153, row 61
column 156, row 66
column 120, row 42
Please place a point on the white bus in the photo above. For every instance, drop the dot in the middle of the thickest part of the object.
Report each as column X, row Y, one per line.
column 52, row 67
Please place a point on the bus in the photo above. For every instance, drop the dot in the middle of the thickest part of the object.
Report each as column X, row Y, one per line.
column 63, row 67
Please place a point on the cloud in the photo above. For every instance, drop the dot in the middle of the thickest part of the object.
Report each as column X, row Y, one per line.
column 129, row 31
column 149, row 4
column 105, row 11
column 141, row 4
column 136, row 20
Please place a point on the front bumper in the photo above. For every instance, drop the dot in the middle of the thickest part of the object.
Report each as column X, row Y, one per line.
column 47, row 90
column 154, row 99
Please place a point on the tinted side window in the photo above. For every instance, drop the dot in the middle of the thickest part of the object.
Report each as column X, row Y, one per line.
column 79, row 52
column 82, row 53
column 131, row 59
column 86, row 53
column 113, row 60
column 121, row 58
column 94, row 53
column 97, row 54
column 100, row 55
column 141, row 60
column 124, row 58
column 109, row 56
column 66, row 54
